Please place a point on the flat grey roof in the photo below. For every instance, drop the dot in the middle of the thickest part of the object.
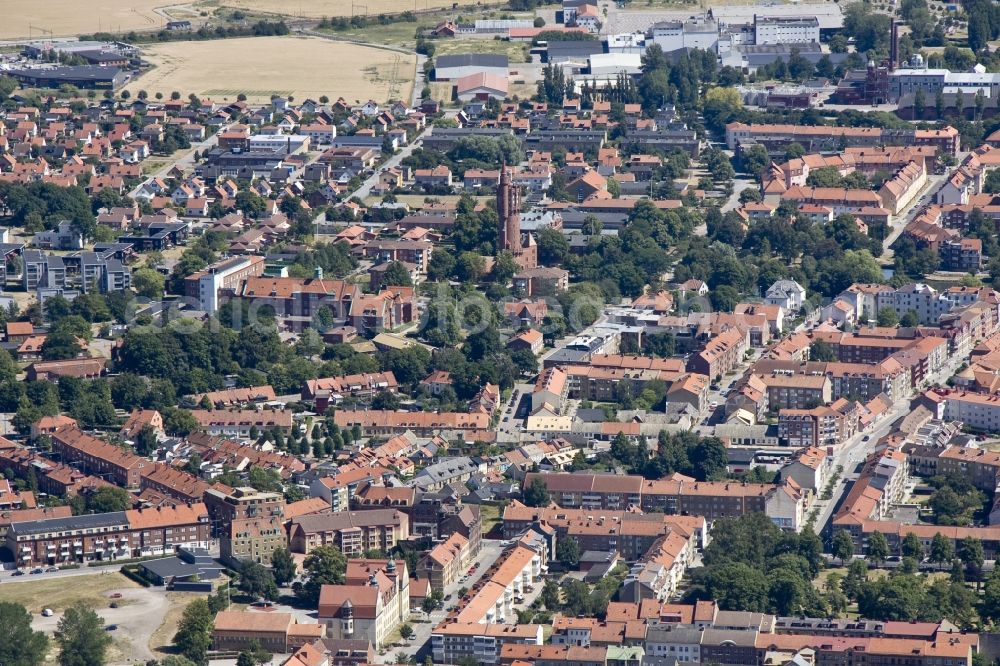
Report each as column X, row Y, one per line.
column 471, row 60
column 828, row 14
column 85, row 522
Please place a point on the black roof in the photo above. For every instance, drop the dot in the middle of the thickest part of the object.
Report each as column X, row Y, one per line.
column 175, row 567
column 85, row 522
column 100, row 56
column 582, row 47
column 471, row 60
column 69, row 73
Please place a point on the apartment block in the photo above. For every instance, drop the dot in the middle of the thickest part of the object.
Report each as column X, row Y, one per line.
column 108, row 536
column 239, row 422
column 386, row 422
column 818, row 426
column 674, row 495
column 332, row 390
column 452, row 641
column 211, row 287
column 796, row 391
column 721, row 354
column 447, row 562
column 823, row 137
column 353, row 532
column 249, row 522
column 98, row 457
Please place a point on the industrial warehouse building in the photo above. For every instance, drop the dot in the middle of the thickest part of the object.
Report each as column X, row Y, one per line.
column 453, row 67
column 81, row 76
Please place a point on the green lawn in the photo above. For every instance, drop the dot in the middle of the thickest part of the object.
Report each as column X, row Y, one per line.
column 491, row 516
column 515, row 51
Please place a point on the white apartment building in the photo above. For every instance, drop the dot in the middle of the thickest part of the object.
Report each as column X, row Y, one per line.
column 452, row 641
column 678, row 641
column 786, row 29
column 977, row 410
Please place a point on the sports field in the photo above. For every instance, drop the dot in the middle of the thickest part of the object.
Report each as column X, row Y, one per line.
column 259, row 67
column 29, row 18
column 321, row 8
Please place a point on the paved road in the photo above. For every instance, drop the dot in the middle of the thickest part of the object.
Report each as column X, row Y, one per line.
column 8, row 576
column 934, row 183
column 185, row 162
column 419, row 644
column 365, row 190
column 854, row 451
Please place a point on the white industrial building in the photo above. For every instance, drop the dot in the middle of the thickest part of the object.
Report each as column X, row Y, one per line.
column 501, row 26
column 288, row 144
column 786, row 29
column 610, row 65
column 698, row 32
column 909, row 80
column 629, row 42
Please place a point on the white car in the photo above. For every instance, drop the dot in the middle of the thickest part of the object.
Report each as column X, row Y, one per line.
column 47, row 612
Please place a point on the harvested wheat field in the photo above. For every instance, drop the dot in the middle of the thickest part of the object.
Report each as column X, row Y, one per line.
column 36, row 18
column 321, row 8
column 260, row 67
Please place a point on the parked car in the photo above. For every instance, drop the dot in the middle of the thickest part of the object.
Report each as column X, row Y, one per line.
column 18, row 572
column 47, row 612
column 111, row 627
column 38, row 570
column 52, row 569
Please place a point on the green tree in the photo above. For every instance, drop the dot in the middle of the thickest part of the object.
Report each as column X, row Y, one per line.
column 406, row 631
column 148, row 283
column 568, row 552
column 990, row 606
column 110, row 498
column 821, row 350
column 325, row 565
column 60, row 344
column 257, row 581
column 842, row 546
column 283, row 566
column 254, row 655
column 911, row 546
column 396, row 275
column 19, row 644
column 942, row 550
column 194, row 632
column 81, row 637
column 878, row 547
column 537, row 493
column 738, row 586
column 887, row 317
column 145, row 440
column 550, row 595
column 970, row 552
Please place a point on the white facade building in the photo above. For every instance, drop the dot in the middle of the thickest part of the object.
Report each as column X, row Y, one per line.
column 278, row 143
column 908, row 80
column 786, row 29
column 696, row 33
